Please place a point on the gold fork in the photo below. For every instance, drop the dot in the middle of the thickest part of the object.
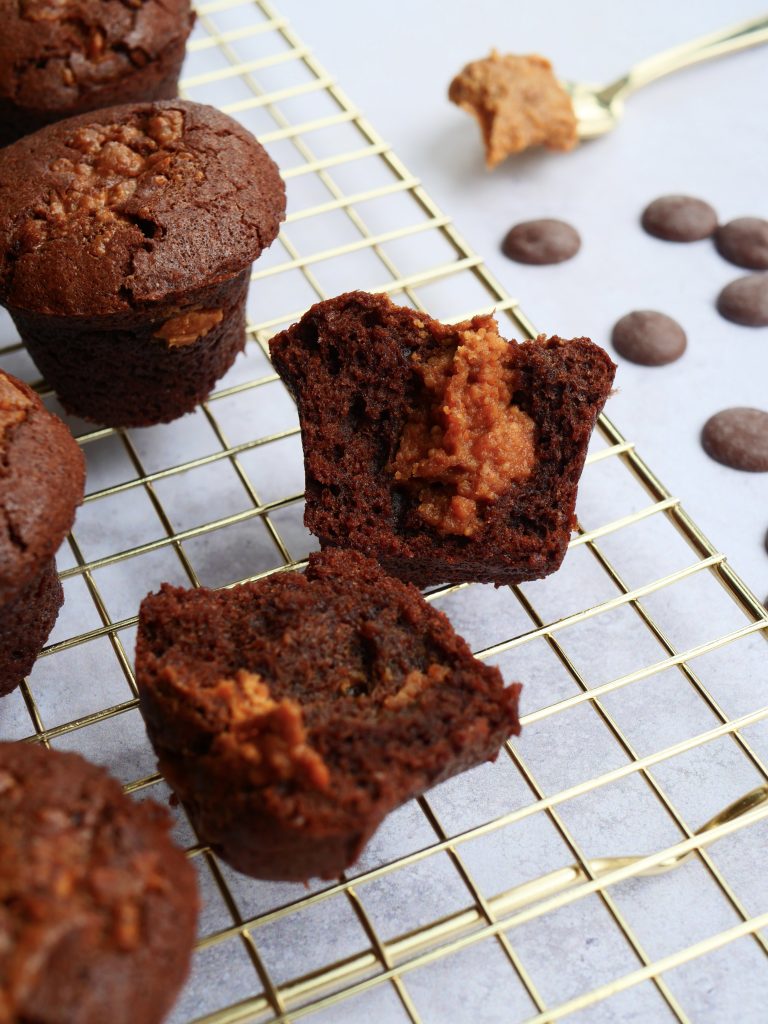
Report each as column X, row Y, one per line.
column 599, row 108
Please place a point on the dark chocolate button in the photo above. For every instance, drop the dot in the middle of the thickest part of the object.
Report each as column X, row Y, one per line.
column 745, row 301
column 744, row 241
column 649, row 338
column 541, row 241
column 679, row 219
column 738, row 438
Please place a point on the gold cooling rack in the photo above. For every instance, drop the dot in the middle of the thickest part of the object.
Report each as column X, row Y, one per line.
column 494, row 897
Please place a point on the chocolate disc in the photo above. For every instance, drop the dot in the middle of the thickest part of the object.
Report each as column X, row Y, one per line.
column 738, row 438
column 541, row 241
column 745, row 301
column 744, row 241
column 679, row 219
column 649, row 338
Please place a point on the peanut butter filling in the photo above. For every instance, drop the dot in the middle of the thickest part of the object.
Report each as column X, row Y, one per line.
column 186, row 328
column 14, row 408
column 46, row 10
column 465, row 442
column 113, row 160
column 415, row 684
column 518, row 102
column 270, row 733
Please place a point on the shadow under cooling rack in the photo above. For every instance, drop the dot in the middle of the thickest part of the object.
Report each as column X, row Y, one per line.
column 536, row 888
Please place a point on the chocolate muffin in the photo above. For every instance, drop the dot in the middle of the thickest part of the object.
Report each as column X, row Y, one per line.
column 292, row 714
column 42, row 474
column 444, row 451
column 59, row 58
column 97, row 906
column 126, row 241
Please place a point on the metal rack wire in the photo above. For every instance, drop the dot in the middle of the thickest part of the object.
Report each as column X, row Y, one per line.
column 492, row 934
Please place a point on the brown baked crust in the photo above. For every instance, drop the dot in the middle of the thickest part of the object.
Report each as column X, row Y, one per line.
column 123, row 372
column 347, row 362
column 132, row 206
column 25, row 624
column 42, row 475
column 97, row 906
column 371, row 698
column 59, row 58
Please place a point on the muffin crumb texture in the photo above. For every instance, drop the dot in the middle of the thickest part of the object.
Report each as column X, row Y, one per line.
column 518, row 102
column 291, row 714
column 442, row 450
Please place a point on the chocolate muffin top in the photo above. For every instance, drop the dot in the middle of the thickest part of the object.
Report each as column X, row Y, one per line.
column 54, row 53
column 97, row 906
column 42, row 473
column 132, row 205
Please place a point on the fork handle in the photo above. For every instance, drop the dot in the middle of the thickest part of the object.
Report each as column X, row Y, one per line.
column 726, row 40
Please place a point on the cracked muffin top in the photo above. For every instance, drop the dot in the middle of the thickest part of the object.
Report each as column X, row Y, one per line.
column 53, row 52
column 98, row 904
column 42, row 473
column 132, row 205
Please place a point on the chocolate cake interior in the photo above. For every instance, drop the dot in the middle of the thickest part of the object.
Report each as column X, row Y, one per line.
column 445, row 451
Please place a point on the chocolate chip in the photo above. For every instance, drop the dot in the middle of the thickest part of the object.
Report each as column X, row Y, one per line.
column 745, row 301
column 649, row 338
column 541, row 241
column 679, row 219
column 744, row 241
column 738, row 438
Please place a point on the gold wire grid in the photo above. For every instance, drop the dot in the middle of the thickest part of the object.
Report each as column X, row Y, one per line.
column 246, row 59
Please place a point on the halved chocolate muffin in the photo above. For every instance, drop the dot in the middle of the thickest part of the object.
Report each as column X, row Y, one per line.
column 97, row 905
column 42, row 474
column 59, row 58
column 290, row 715
column 441, row 450
column 126, row 243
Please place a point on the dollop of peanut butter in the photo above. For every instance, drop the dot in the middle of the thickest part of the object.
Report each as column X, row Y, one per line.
column 14, row 406
column 465, row 442
column 108, row 161
column 414, row 685
column 270, row 733
column 518, row 102
column 186, row 328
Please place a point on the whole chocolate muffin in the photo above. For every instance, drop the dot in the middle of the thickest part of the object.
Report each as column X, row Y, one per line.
column 59, row 58
column 126, row 242
column 442, row 450
column 97, row 906
column 42, row 473
column 290, row 715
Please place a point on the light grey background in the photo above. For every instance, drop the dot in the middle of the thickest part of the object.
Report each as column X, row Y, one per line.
column 703, row 131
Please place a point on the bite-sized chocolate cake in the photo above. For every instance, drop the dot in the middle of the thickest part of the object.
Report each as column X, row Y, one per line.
column 97, row 906
column 59, row 58
column 42, row 474
column 444, row 451
column 126, row 242
column 290, row 715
